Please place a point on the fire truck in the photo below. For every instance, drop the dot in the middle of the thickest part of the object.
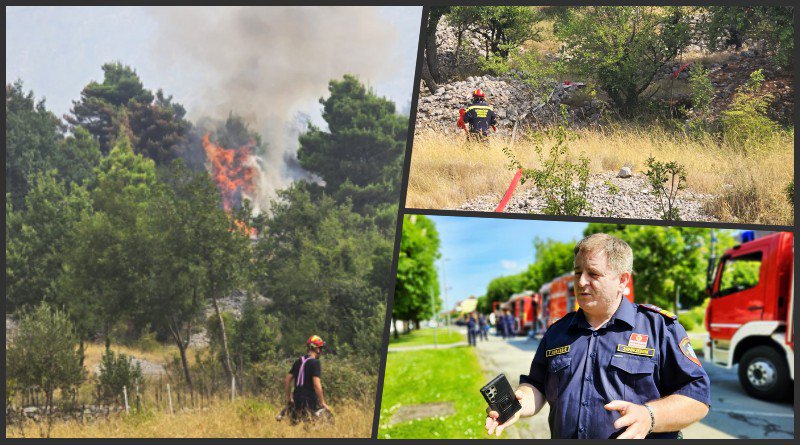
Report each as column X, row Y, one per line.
column 559, row 297
column 749, row 316
column 525, row 307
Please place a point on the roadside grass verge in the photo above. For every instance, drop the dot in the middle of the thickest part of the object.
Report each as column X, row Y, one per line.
column 420, row 337
column 246, row 417
column 748, row 183
column 428, row 376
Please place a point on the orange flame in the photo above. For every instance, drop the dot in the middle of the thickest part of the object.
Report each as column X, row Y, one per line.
column 231, row 171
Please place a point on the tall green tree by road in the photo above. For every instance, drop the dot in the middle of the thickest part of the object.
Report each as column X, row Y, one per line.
column 500, row 288
column 553, row 259
column 416, row 272
column 622, row 48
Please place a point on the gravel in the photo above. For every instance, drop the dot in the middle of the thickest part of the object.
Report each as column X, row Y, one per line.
column 633, row 200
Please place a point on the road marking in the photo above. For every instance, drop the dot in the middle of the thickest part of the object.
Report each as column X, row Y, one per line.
column 752, row 413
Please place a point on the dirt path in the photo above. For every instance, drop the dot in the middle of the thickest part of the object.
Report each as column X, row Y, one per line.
column 733, row 414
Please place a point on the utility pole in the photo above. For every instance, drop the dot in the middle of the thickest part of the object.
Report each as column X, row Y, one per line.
column 446, row 299
column 435, row 322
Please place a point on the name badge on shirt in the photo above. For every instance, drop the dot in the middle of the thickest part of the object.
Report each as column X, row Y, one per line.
column 556, row 351
column 646, row 352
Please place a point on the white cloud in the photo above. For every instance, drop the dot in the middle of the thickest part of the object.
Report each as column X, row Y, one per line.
column 509, row 265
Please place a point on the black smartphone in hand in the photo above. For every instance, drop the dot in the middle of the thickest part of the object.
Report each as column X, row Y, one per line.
column 501, row 398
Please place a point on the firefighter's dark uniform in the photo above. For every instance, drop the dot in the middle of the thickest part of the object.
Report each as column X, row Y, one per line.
column 304, row 370
column 640, row 355
column 479, row 117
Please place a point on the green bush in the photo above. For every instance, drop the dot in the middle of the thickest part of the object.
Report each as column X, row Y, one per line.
column 42, row 353
column 745, row 123
column 118, row 371
column 666, row 179
column 562, row 182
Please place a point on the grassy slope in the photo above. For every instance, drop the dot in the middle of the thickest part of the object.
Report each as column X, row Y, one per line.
column 425, row 337
column 446, row 173
column 426, row 376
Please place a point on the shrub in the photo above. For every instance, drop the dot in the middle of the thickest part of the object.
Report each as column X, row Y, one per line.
column 117, row 371
column 43, row 353
column 562, row 182
column 745, row 122
column 658, row 175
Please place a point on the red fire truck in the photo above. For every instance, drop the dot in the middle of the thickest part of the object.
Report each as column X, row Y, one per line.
column 525, row 307
column 559, row 297
column 749, row 316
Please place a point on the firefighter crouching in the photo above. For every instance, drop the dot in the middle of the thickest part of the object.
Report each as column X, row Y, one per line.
column 477, row 118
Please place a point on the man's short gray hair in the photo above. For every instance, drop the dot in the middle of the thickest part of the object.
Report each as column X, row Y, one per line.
column 618, row 252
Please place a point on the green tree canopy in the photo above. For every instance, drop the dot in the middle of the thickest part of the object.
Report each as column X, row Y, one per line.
column 731, row 25
column 665, row 258
column 33, row 135
column 359, row 156
column 416, row 272
column 37, row 239
column 502, row 28
column 623, row 47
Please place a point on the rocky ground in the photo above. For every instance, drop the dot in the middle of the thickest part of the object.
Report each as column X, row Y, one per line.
column 632, row 199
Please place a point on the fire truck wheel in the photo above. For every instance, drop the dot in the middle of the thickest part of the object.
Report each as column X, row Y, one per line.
column 764, row 374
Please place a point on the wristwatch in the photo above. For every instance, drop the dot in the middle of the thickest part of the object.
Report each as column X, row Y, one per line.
column 652, row 418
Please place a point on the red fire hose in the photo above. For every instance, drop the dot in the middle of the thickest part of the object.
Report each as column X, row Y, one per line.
column 509, row 192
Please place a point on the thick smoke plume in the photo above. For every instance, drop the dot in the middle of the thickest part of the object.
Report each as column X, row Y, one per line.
column 270, row 64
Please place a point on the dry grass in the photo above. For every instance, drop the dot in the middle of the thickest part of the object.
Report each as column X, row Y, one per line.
column 445, row 173
column 162, row 354
column 241, row 418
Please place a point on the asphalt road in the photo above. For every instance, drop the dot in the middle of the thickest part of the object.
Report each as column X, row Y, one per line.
column 733, row 413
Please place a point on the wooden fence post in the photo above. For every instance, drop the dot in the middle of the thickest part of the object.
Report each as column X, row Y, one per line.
column 169, row 396
column 125, row 393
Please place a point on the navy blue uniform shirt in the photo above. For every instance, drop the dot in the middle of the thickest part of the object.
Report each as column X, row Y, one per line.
column 480, row 117
column 638, row 356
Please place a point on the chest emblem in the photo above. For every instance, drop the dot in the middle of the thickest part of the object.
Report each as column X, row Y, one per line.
column 556, row 351
column 645, row 352
column 638, row 341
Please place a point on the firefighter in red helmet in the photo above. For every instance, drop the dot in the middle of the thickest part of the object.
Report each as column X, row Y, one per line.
column 306, row 398
column 478, row 117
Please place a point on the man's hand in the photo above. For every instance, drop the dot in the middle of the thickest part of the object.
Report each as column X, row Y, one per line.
column 635, row 417
column 325, row 405
column 493, row 427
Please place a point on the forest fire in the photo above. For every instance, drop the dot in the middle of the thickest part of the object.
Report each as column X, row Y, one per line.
column 232, row 169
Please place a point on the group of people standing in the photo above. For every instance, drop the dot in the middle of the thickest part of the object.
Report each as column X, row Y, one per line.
column 478, row 325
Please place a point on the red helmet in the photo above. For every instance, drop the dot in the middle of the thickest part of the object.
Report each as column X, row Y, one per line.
column 314, row 340
column 478, row 93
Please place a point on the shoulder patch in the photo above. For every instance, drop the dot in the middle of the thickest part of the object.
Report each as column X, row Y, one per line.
column 686, row 347
column 657, row 309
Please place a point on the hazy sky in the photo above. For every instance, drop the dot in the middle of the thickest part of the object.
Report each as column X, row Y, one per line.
column 481, row 249
column 56, row 51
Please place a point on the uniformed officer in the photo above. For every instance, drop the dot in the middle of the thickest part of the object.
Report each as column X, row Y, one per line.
column 472, row 329
column 479, row 116
column 612, row 369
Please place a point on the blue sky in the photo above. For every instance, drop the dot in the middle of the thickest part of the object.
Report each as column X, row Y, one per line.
column 480, row 249
column 56, row 51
